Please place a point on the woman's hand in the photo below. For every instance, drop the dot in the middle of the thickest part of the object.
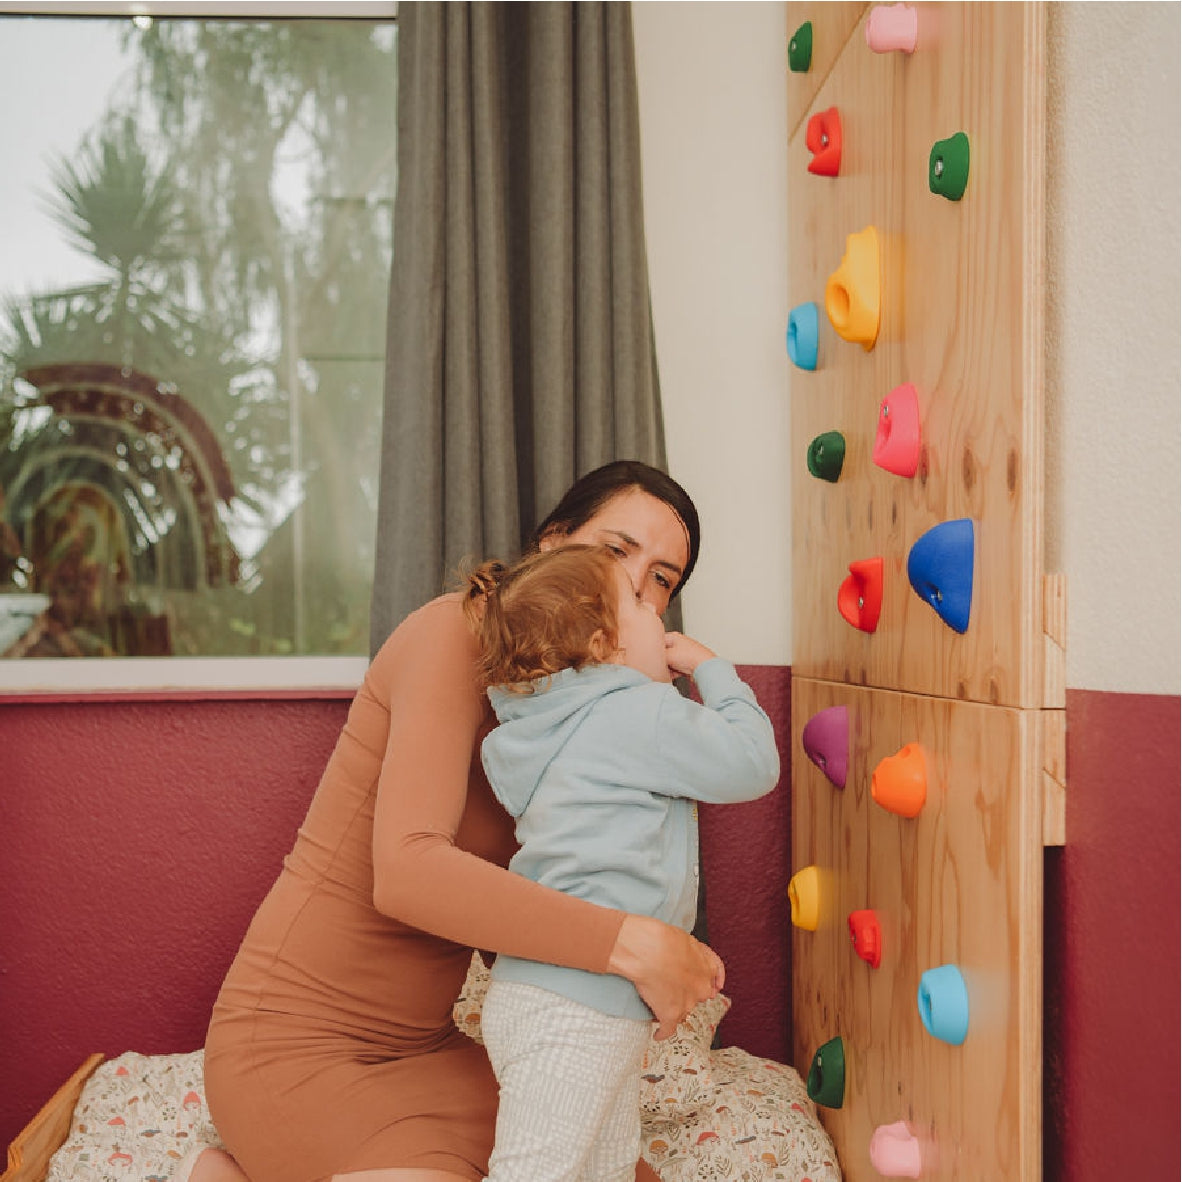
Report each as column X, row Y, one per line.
column 684, row 654
column 671, row 970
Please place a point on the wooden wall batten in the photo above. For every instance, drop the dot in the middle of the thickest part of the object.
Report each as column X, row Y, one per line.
column 962, row 319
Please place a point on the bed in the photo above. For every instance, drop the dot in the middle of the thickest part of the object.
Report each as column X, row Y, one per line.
column 707, row 1112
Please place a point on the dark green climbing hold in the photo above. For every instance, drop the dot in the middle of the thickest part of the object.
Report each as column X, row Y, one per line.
column 826, row 1081
column 800, row 49
column 826, row 456
column 948, row 166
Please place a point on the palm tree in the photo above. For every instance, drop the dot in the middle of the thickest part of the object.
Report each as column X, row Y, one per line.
column 271, row 322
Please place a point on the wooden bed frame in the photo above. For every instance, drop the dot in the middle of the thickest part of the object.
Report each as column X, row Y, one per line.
column 30, row 1152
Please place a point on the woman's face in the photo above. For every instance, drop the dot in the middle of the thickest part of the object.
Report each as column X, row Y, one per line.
column 645, row 534
column 640, row 634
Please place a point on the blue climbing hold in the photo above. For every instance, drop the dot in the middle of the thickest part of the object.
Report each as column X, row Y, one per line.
column 803, row 332
column 943, row 1001
column 940, row 568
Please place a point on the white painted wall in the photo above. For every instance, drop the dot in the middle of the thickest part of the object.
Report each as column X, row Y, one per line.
column 714, row 132
column 712, row 107
column 1113, row 343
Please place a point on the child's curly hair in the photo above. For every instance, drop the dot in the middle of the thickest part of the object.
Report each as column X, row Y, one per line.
column 552, row 610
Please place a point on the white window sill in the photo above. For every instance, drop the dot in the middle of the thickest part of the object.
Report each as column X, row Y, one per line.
column 186, row 677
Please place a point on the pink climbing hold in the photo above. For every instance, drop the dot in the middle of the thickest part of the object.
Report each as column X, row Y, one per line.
column 897, row 441
column 894, row 1151
column 892, row 27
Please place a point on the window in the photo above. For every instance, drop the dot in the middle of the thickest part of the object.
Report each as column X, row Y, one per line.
column 193, row 290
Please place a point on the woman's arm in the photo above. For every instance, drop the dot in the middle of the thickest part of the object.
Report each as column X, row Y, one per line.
column 426, row 677
column 671, row 970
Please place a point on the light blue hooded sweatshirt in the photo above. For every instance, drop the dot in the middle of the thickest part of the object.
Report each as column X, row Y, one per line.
column 601, row 767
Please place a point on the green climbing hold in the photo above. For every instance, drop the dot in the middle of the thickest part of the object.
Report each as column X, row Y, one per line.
column 826, row 1080
column 948, row 166
column 800, row 49
column 826, row 456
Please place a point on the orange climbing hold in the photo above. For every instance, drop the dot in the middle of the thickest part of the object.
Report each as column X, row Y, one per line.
column 900, row 782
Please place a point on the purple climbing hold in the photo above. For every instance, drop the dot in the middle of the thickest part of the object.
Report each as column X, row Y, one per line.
column 826, row 741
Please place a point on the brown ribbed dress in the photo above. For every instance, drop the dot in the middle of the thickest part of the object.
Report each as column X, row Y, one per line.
column 331, row 1047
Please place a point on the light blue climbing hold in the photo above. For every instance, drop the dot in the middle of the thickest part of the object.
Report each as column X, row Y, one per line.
column 804, row 325
column 940, row 568
column 943, row 1001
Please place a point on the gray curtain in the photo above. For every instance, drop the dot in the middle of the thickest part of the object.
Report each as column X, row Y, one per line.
column 520, row 347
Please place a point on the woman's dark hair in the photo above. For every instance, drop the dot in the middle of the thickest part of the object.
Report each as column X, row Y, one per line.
column 591, row 492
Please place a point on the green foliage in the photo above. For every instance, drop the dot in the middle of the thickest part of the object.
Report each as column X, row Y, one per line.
column 237, row 199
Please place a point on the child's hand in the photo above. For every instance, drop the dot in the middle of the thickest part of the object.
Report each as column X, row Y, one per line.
column 684, row 654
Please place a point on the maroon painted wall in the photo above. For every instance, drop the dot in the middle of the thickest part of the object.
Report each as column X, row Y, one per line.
column 746, row 864
column 139, row 835
column 1111, row 940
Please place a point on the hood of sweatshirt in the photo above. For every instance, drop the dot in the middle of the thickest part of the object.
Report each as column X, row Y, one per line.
column 535, row 727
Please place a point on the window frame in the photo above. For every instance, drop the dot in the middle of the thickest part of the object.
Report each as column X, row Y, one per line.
column 188, row 677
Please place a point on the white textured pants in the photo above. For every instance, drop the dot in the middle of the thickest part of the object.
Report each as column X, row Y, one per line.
column 570, row 1087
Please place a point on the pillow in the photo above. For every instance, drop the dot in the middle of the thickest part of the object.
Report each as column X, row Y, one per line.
column 137, row 1117
column 710, row 1114
column 676, row 1070
column 754, row 1122
column 704, row 1114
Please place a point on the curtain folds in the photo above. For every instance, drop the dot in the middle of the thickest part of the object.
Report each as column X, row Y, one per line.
column 520, row 349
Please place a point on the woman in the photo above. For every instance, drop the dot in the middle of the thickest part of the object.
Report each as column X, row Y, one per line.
column 331, row 1052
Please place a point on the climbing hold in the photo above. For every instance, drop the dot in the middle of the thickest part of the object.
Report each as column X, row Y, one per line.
column 900, row 782
column 948, row 166
column 892, row 26
column 804, row 325
column 866, row 936
column 894, row 1151
column 853, row 293
column 940, row 568
column 944, row 1004
column 822, row 137
column 800, row 49
column 896, row 443
column 826, row 1079
column 859, row 598
column 804, row 896
column 826, row 456
column 826, row 741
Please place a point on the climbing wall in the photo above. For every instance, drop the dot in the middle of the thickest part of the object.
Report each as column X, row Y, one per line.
column 927, row 639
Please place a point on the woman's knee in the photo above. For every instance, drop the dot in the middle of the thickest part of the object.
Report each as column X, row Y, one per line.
column 216, row 1165
column 401, row 1175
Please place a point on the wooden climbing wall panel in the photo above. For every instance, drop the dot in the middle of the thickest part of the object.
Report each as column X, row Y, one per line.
column 961, row 320
column 960, row 884
column 961, row 305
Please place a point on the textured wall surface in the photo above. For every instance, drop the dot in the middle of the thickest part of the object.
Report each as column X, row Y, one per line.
column 1111, row 946
column 138, row 839
column 1113, row 519
column 746, row 855
column 714, row 125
